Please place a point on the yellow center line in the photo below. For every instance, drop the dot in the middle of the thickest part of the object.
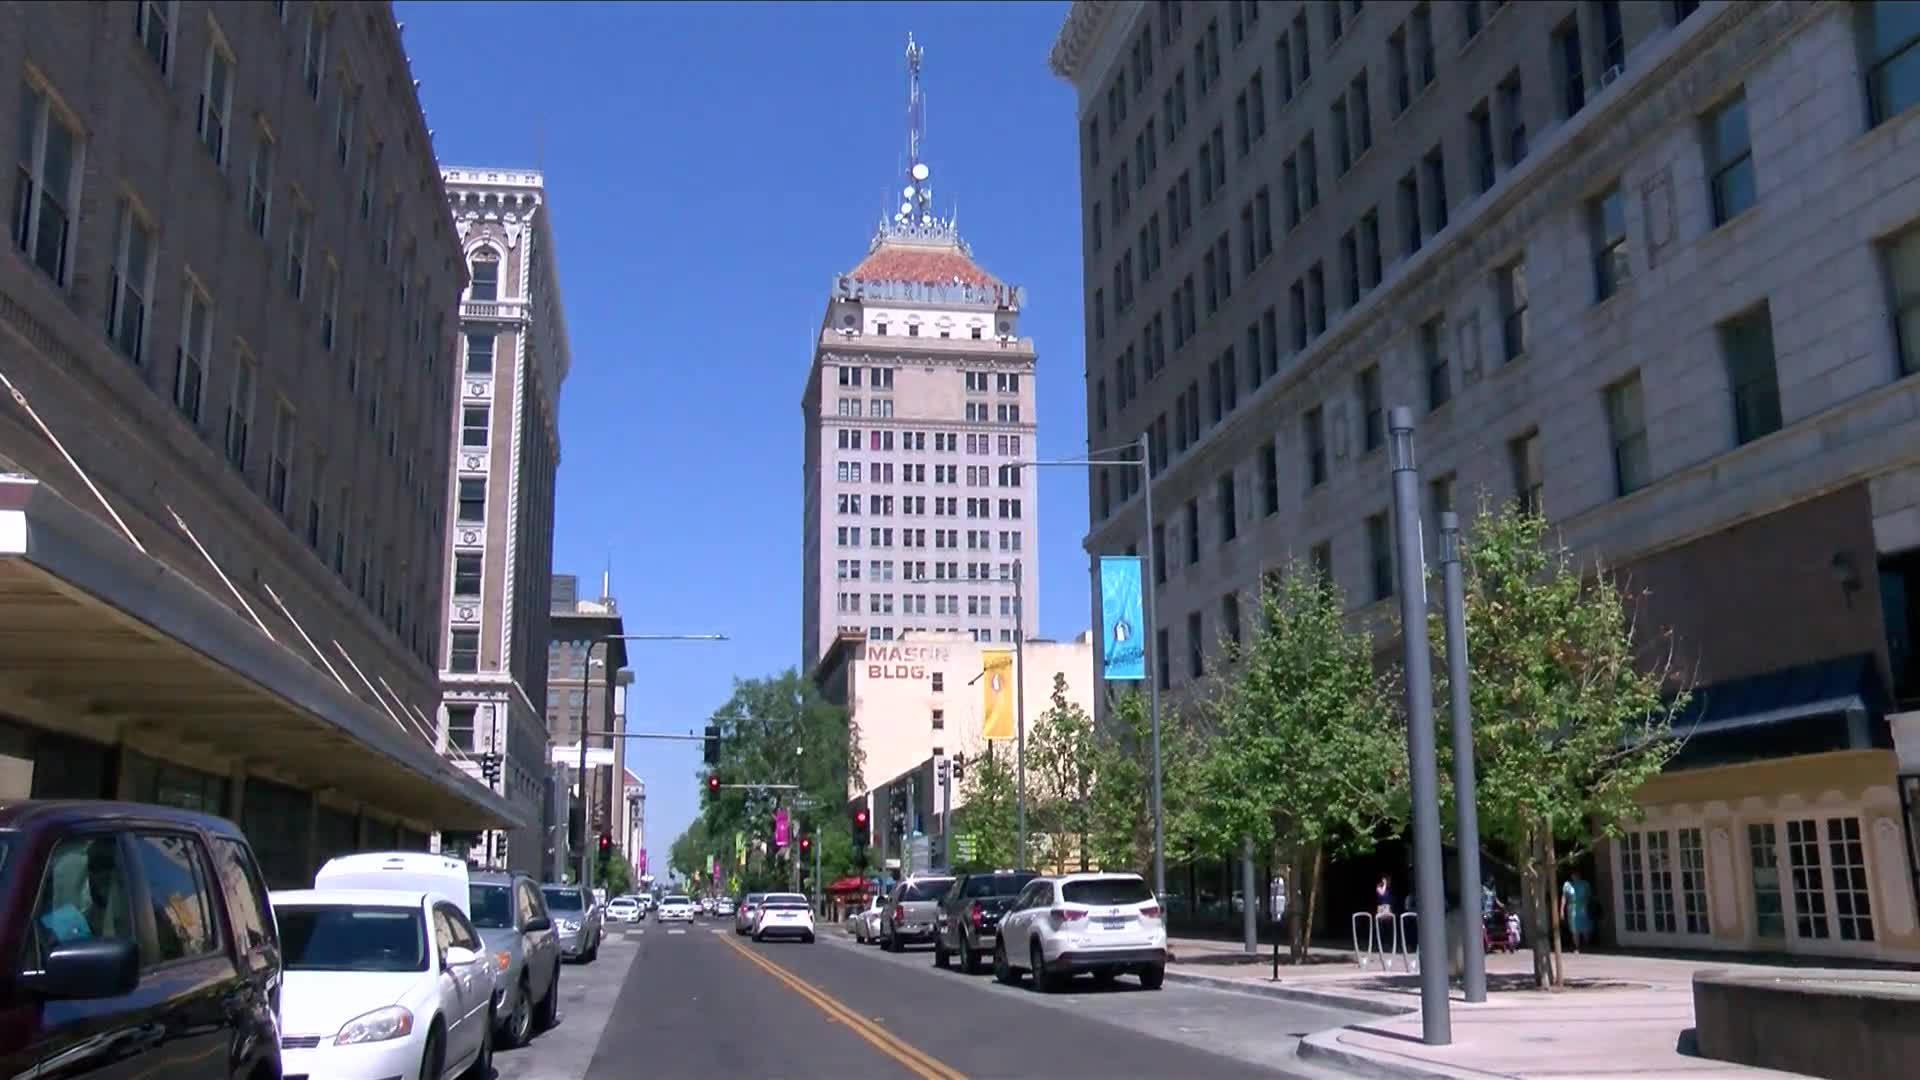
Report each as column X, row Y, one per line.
column 915, row 1061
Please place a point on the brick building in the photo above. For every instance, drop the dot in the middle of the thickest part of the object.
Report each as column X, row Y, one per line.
column 227, row 292
column 1644, row 265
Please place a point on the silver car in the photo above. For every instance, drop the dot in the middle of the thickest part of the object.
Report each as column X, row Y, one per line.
column 578, row 918
column 514, row 925
column 743, row 915
column 910, row 909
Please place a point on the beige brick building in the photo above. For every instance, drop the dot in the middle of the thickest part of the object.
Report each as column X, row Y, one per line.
column 229, row 291
column 1645, row 264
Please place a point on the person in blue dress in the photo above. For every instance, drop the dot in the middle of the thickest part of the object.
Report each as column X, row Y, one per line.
column 1576, row 909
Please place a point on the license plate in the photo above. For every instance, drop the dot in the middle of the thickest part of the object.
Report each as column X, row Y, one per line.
column 1114, row 924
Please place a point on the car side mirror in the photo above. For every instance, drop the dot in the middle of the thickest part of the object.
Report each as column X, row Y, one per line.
column 539, row 922
column 459, row 956
column 98, row 968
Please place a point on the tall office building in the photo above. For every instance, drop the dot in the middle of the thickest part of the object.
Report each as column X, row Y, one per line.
column 587, row 678
column 226, row 302
column 1650, row 268
column 920, row 393
column 506, row 448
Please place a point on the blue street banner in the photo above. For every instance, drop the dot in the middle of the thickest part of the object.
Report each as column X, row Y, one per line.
column 1123, row 653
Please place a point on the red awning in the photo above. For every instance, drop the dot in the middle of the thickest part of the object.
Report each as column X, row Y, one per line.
column 850, row 885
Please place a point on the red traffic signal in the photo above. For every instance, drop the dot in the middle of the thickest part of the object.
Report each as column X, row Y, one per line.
column 713, row 783
column 806, row 843
column 606, row 842
column 860, row 818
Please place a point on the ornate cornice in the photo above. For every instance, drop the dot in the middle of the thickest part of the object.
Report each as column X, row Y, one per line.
column 1086, row 21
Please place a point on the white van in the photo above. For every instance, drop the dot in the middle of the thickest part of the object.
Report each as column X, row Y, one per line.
column 408, row 871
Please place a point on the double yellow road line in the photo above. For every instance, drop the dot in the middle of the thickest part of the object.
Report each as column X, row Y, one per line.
column 915, row 1062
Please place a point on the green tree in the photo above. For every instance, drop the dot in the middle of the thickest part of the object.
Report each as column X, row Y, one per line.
column 988, row 810
column 1570, row 714
column 1121, row 802
column 615, row 874
column 1060, row 767
column 1305, row 753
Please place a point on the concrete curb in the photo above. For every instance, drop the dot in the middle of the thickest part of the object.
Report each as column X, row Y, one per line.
column 1323, row 1048
column 1289, row 993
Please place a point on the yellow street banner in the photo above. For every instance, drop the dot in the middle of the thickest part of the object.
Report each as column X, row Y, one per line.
column 996, row 687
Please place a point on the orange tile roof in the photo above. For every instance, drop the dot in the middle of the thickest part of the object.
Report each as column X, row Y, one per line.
column 933, row 266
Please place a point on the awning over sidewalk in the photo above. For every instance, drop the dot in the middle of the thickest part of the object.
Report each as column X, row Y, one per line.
column 1835, row 704
column 93, row 625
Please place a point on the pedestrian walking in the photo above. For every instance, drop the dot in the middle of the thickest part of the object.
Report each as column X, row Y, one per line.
column 1576, row 903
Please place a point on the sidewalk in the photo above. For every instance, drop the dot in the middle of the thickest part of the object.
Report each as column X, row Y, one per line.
column 1618, row 1016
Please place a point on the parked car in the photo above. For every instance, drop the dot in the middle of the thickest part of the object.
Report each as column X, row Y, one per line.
column 512, row 918
column 624, row 909
column 968, row 918
column 743, row 915
column 675, row 909
column 187, row 990
column 1100, row 923
column 865, row 923
column 578, row 920
column 723, row 907
column 908, row 915
column 383, row 983
column 786, row 915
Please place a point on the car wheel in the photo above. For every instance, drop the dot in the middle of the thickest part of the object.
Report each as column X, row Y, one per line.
column 940, row 953
column 1153, row 975
column 1002, row 970
column 893, row 942
column 757, row 938
column 549, row 1015
column 808, row 939
column 1043, row 980
column 482, row 1067
column 969, row 959
column 519, row 1026
column 433, row 1060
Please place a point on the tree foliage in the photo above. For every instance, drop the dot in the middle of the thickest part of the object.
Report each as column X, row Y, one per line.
column 1570, row 717
column 1121, row 802
column 1305, row 752
column 988, row 814
column 1061, row 759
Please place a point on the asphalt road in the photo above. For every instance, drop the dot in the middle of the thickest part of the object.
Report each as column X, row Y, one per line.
column 706, row 1003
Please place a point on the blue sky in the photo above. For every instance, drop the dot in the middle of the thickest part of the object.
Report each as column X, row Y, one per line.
column 710, row 167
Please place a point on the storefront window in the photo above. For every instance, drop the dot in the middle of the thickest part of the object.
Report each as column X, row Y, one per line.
column 1763, row 842
column 150, row 780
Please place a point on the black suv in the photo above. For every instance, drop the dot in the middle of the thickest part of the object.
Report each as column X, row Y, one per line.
column 139, row 941
column 969, row 916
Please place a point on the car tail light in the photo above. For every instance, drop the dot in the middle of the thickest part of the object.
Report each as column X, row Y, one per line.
column 899, row 913
column 976, row 915
column 1150, row 911
column 503, row 959
column 1062, row 916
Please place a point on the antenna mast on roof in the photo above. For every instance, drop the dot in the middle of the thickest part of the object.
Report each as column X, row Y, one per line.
column 916, row 199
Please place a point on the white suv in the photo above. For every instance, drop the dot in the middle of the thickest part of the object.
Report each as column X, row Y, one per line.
column 1105, row 924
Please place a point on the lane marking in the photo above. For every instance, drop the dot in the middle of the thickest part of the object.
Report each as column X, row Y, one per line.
column 676, row 932
column 916, row 1062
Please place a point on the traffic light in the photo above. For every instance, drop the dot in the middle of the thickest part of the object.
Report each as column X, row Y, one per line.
column 959, row 767
column 713, row 783
column 806, row 844
column 713, row 744
column 606, row 843
column 862, row 831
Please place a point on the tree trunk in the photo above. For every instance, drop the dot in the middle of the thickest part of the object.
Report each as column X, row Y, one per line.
column 1309, row 905
column 1537, row 909
column 1551, row 865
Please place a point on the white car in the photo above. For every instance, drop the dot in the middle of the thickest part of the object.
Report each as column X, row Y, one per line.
column 1099, row 923
column 866, row 924
column 382, row 983
column 784, row 914
column 624, row 909
column 675, row 909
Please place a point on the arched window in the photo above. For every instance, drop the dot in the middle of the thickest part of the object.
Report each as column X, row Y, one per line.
column 486, row 276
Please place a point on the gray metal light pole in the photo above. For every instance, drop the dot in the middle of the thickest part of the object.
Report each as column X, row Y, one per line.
column 1465, row 796
column 586, row 666
column 1436, row 1018
column 1150, row 649
column 1020, row 713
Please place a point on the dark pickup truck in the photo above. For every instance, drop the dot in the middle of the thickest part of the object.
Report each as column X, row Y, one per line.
column 969, row 916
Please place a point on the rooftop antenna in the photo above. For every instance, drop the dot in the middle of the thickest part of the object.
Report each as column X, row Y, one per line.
column 916, row 198
column 606, row 579
column 540, row 144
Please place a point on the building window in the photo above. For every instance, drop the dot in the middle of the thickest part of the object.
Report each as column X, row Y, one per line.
column 1523, row 458
column 1747, row 342
column 1315, row 431
column 1607, row 232
column 153, row 27
column 330, row 308
column 1270, row 478
column 479, row 354
column 47, row 187
column 1769, row 914
column 1892, row 39
column 345, row 116
column 1160, row 660
column 240, row 414
column 1693, row 882
column 473, row 500
column 299, row 233
column 1633, row 883
column 1627, row 431
column 474, row 425
column 216, row 101
column 313, row 56
column 485, row 283
column 260, row 182
column 1729, row 155
column 1373, row 412
column 466, row 574
column 280, row 467
column 463, row 652
column 1480, row 123
column 1903, row 278
column 133, row 260
column 1380, row 555
column 196, row 342
column 1572, row 67
column 1512, row 284
column 1433, row 356
column 1160, row 553
column 1196, row 647
column 1193, row 532
column 460, row 727
column 1224, row 504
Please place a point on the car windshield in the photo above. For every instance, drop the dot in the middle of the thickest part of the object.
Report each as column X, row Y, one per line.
column 340, row 938
column 492, row 906
column 1106, row 891
column 563, row 900
column 985, row 885
column 676, row 900
column 925, row 889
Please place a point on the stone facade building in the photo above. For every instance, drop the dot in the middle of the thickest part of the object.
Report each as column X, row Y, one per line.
column 226, row 303
column 506, row 449
column 1646, row 266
